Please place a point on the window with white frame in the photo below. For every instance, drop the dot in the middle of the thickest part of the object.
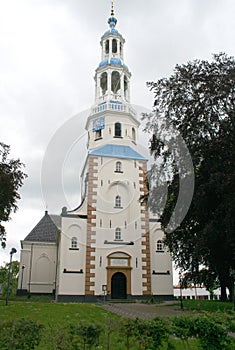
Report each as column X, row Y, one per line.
column 118, row 167
column 74, row 243
column 118, row 234
column 118, row 202
column 160, row 246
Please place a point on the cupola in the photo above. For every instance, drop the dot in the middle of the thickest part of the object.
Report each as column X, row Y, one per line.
column 112, row 119
column 112, row 75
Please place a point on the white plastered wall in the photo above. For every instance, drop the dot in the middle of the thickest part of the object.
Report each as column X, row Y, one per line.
column 161, row 263
column 71, row 269
column 39, row 272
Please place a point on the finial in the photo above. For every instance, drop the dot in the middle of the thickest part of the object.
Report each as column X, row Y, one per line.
column 112, row 21
column 112, row 8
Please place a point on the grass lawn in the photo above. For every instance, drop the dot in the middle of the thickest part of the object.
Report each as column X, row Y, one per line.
column 53, row 313
column 57, row 316
column 207, row 305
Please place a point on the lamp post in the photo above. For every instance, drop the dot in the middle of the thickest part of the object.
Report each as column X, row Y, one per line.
column 181, row 299
column 22, row 277
column 13, row 251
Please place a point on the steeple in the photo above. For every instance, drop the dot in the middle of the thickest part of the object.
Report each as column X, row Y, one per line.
column 112, row 93
column 112, row 75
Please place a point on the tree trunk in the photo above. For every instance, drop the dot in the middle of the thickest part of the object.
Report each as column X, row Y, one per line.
column 231, row 290
column 223, row 291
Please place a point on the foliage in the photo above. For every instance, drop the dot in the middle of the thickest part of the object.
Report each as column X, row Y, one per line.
column 13, row 277
column 127, row 330
column 150, row 334
column 211, row 335
column 196, row 103
column 181, row 329
column 85, row 334
column 111, row 326
column 203, row 277
column 66, row 326
column 11, row 179
column 56, row 338
column 21, row 334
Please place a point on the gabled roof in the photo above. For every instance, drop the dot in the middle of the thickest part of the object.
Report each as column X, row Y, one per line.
column 46, row 230
column 116, row 151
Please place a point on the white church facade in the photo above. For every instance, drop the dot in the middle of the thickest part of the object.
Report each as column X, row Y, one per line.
column 110, row 244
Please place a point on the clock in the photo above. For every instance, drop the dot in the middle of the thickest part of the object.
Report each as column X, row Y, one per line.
column 98, row 124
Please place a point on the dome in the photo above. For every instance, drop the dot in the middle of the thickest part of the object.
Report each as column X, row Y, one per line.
column 103, row 63
column 111, row 31
column 116, row 61
column 113, row 61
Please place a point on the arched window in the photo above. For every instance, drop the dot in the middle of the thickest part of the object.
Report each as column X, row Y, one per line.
column 118, row 167
column 107, row 46
column 118, row 234
column 121, row 49
column 133, row 134
column 118, row 130
column 114, row 46
column 104, row 83
column 74, row 243
column 160, row 246
column 115, row 82
column 125, row 86
column 118, row 202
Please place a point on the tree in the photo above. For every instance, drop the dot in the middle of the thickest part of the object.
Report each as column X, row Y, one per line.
column 14, row 277
column 204, row 277
column 11, row 179
column 196, row 103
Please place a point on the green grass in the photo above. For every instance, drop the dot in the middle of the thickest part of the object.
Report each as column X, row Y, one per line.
column 207, row 305
column 51, row 313
column 57, row 316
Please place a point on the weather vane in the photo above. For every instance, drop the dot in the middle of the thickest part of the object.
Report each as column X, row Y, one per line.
column 112, row 8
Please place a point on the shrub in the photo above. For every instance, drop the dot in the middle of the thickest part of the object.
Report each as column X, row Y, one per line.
column 151, row 334
column 21, row 334
column 127, row 330
column 181, row 328
column 85, row 334
column 212, row 336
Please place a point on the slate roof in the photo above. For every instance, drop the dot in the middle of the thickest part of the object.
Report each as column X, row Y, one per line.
column 45, row 230
column 116, row 151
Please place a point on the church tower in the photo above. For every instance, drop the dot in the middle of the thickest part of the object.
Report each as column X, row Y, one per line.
column 117, row 223
column 105, row 243
column 110, row 245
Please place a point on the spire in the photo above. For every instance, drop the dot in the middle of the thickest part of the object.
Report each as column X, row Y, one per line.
column 112, row 8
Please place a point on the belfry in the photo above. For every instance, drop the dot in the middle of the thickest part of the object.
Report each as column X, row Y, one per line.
column 110, row 244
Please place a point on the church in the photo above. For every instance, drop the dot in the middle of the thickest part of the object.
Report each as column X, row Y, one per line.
column 111, row 245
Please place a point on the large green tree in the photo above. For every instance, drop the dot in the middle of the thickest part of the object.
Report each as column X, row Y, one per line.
column 197, row 103
column 11, row 179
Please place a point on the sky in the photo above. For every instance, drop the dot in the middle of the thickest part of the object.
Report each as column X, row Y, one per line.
column 49, row 50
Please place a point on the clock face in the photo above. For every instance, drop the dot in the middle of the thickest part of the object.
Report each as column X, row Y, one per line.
column 98, row 123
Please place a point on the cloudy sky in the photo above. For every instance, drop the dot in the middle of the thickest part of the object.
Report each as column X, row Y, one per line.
column 49, row 50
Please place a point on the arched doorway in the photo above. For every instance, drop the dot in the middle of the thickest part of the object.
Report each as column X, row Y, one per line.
column 118, row 286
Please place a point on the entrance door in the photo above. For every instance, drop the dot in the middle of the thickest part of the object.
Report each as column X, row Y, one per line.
column 118, row 286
